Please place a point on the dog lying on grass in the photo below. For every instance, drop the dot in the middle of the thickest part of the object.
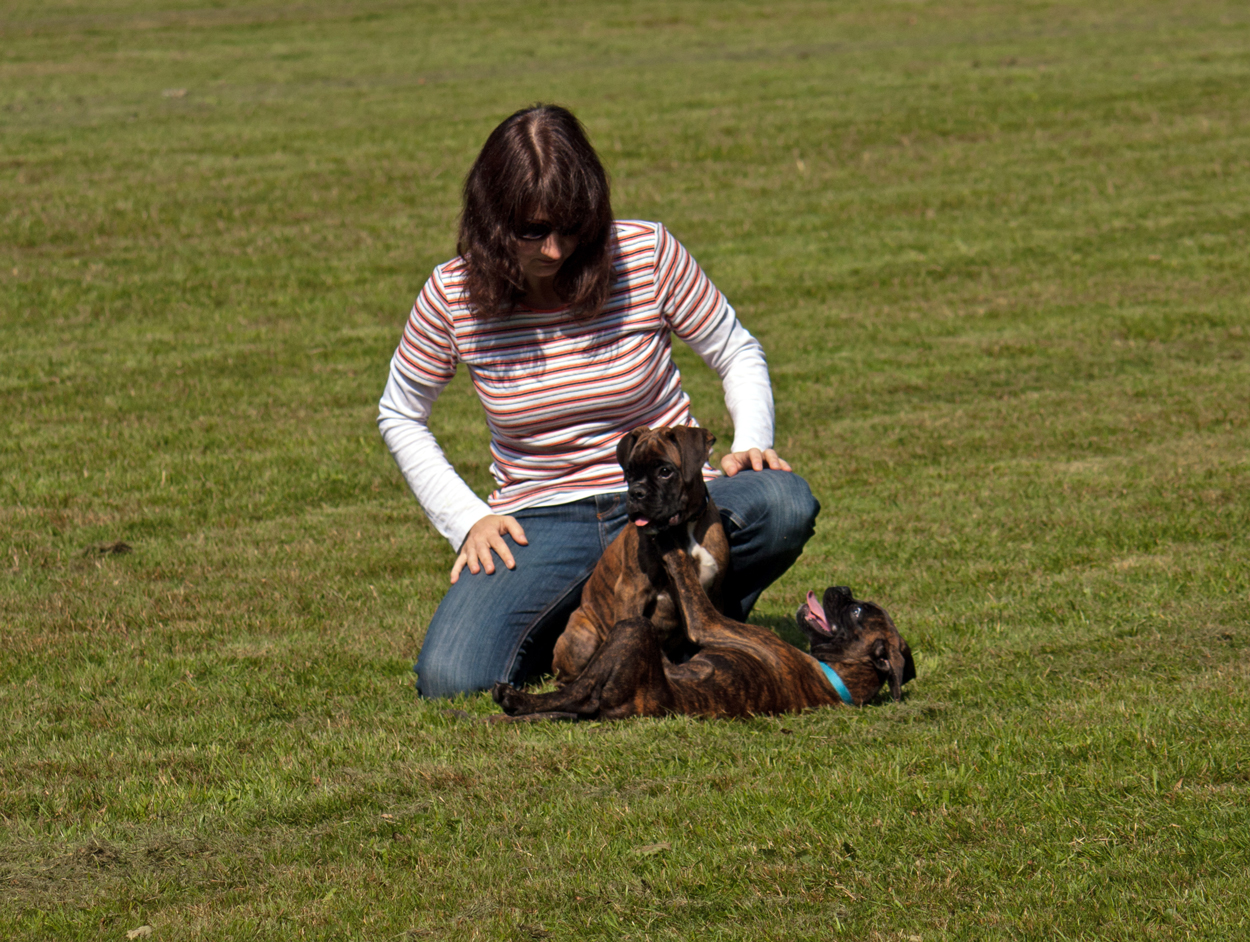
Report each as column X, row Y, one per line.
column 738, row 670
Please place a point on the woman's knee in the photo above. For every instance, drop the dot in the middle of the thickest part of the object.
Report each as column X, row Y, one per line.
column 492, row 627
column 778, row 503
column 446, row 669
column 461, row 653
column 793, row 507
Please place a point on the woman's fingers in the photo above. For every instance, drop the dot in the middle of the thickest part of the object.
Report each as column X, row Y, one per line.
column 516, row 531
column 755, row 459
column 455, row 570
column 487, row 536
column 775, row 461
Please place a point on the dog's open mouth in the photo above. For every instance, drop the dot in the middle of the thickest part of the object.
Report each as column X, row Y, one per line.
column 816, row 614
column 641, row 521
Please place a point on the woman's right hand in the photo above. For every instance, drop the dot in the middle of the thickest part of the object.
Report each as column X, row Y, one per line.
column 486, row 535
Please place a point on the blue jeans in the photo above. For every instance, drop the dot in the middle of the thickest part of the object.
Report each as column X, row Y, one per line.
column 503, row 626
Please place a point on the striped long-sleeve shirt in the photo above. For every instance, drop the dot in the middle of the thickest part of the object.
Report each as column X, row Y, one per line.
column 559, row 392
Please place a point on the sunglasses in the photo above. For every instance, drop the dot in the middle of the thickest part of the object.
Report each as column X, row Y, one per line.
column 538, row 231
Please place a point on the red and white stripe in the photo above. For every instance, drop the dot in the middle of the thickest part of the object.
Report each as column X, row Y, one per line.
column 560, row 392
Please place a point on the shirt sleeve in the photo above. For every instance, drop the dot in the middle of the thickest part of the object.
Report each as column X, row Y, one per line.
column 421, row 368
column 701, row 316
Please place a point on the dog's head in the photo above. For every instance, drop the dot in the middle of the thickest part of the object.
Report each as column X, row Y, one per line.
column 859, row 640
column 664, row 473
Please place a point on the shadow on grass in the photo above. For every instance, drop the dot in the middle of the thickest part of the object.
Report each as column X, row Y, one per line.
column 786, row 629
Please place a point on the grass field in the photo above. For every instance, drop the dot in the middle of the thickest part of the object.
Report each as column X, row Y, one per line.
column 998, row 255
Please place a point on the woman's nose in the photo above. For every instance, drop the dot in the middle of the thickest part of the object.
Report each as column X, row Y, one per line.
column 551, row 247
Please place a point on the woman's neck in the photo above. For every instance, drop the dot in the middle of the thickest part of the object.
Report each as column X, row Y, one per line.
column 540, row 293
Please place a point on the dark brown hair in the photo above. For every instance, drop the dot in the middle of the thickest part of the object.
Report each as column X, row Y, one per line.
column 538, row 162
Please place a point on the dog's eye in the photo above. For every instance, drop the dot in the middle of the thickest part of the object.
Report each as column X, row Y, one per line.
column 857, row 611
column 664, row 473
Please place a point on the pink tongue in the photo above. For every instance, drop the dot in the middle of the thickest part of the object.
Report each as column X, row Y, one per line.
column 817, row 611
column 641, row 522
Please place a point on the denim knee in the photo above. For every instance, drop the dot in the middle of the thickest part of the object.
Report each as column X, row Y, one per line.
column 769, row 516
column 773, row 509
column 501, row 626
column 443, row 671
column 792, row 508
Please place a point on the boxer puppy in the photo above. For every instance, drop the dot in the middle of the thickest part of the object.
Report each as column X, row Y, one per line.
column 739, row 670
column 666, row 494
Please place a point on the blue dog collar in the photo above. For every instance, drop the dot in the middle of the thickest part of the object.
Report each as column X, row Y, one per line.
column 838, row 685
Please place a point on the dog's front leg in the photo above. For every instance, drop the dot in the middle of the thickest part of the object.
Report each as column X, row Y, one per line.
column 701, row 619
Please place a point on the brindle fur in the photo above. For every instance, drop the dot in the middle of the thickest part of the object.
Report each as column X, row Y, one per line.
column 739, row 670
column 629, row 581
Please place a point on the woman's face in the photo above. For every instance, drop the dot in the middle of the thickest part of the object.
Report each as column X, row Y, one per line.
column 541, row 249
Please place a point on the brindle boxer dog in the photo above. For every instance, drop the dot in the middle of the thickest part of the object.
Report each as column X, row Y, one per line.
column 664, row 473
column 739, row 670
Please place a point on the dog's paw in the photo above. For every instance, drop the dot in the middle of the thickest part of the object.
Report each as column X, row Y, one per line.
column 503, row 694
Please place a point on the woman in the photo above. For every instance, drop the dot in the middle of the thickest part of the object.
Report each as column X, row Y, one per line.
column 563, row 317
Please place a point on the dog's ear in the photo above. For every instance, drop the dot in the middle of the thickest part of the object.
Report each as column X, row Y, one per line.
column 909, row 665
column 889, row 665
column 625, row 447
column 894, row 662
column 709, row 440
column 695, row 447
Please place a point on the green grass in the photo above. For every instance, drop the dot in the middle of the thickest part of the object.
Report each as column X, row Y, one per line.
column 998, row 256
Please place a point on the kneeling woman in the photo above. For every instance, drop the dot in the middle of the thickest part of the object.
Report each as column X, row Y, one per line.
column 564, row 318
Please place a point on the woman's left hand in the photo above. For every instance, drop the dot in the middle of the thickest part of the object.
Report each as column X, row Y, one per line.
column 754, row 459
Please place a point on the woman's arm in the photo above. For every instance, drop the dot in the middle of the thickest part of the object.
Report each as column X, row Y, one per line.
column 403, row 419
column 702, row 317
column 456, row 512
column 738, row 359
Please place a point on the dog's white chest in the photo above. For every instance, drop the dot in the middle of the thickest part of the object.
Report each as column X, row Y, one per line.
column 702, row 558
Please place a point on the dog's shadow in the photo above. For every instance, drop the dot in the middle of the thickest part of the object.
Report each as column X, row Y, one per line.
column 784, row 628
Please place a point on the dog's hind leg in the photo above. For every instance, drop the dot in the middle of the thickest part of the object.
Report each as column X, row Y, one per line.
column 532, row 717
column 625, row 677
column 574, row 648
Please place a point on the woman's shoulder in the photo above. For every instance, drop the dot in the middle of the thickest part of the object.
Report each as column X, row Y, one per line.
column 443, row 301
column 633, row 230
column 452, row 271
column 446, row 287
column 638, row 239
